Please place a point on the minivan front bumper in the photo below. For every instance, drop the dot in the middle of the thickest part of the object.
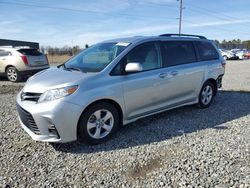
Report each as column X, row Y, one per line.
column 53, row 121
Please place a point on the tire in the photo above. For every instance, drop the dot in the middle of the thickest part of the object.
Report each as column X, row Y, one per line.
column 206, row 95
column 98, row 123
column 225, row 57
column 12, row 74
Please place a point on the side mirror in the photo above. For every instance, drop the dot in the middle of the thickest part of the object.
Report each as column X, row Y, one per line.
column 133, row 67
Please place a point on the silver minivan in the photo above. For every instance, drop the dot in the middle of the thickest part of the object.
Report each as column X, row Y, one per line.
column 116, row 82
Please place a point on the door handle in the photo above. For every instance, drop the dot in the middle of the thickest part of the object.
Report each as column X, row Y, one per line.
column 163, row 75
column 174, row 73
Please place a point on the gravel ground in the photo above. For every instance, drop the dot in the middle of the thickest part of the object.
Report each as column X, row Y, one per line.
column 185, row 147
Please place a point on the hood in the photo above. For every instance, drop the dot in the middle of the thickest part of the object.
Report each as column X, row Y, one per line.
column 54, row 78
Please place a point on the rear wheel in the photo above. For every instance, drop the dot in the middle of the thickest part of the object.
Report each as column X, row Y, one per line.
column 225, row 57
column 12, row 74
column 98, row 123
column 206, row 95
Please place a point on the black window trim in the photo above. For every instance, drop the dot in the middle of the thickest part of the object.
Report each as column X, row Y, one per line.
column 197, row 49
column 198, row 58
column 194, row 48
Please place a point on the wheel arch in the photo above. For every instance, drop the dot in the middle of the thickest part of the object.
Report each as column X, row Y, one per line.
column 225, row 56
column 8, row 66
column 110, row 101
column 214, row 82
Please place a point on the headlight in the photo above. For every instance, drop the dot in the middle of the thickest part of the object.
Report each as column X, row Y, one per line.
column 57, row 93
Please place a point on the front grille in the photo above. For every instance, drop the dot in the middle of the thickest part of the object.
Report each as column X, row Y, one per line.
column 27, row 120
column 27, row 96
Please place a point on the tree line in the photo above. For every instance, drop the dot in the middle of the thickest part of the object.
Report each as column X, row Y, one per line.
column 65, row 50
column 233, row 44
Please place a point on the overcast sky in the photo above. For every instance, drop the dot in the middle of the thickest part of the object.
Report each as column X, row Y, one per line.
column 80, row 22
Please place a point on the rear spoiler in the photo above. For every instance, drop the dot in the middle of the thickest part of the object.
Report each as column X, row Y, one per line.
column 18, row 44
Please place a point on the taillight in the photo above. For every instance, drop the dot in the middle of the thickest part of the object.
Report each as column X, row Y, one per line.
column 223, row 64
column 25, row 60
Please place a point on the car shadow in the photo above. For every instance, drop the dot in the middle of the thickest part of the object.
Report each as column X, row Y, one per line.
column 3, row 78
column 227, row 106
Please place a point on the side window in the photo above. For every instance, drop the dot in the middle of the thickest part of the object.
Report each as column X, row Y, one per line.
column 178, row 52
column 206, row 51
column 4, row 53
column 146, row 54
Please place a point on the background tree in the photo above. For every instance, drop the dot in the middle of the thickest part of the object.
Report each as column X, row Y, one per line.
column 216, row 42
column 68, row 50
column 246, row 44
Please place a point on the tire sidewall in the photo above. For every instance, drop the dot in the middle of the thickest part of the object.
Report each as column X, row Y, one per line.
column 200, row 95
column 17, row 73
column 82, row 132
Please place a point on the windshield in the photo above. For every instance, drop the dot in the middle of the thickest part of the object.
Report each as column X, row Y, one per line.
column 97, row 57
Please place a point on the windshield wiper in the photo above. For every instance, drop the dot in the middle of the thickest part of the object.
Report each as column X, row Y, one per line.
column 61, row 65
column 70, row 68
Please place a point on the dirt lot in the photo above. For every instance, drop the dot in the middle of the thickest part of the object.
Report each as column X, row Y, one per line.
column 185, row 147
column 57, row 59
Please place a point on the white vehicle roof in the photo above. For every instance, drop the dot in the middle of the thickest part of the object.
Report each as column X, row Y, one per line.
column 17, row 48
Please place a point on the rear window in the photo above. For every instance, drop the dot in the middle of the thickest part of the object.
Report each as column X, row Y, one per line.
column 178, row 52
column 206, row 51
column 33, row 52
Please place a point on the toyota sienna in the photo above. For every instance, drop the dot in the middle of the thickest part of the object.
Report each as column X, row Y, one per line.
column 116, row 82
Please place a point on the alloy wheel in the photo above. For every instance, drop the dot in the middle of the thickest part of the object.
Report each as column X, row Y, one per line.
column 12, row 74
column 207, row 94
column 100, row 124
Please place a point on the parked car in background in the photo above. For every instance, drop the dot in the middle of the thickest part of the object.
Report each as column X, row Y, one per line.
column 116, row 82
column 239, row 53
column 247, row 54
column 18, row 63
column 226, row 54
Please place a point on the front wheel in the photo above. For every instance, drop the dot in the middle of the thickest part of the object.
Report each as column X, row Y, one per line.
column 98, row 123
column 206, row 95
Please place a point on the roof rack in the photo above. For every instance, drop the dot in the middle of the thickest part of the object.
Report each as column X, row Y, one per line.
column 182, row 35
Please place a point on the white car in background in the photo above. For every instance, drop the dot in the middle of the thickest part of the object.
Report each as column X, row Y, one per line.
column 226, row 54
column 18, row 63
column 239, row 53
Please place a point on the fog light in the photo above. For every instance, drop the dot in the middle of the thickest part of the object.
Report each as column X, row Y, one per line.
column 52, row 130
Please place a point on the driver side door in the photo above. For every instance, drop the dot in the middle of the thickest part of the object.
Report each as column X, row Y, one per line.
column 142, row 90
